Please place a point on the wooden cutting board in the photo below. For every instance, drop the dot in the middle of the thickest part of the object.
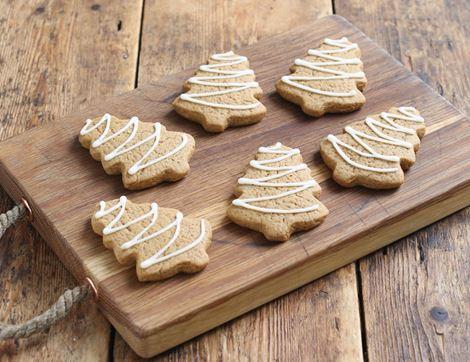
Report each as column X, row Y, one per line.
column 62, row 183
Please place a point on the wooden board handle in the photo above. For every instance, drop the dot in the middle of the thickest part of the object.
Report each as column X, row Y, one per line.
column 57, row 311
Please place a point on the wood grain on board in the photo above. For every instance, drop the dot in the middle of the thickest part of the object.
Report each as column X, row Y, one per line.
column 419, row 286
column 365, row 219
column 49, row 66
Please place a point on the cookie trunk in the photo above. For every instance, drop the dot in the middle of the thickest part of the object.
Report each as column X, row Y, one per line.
column 216, row 122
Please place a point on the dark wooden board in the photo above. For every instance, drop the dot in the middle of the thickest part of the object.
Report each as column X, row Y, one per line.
column 48, row 167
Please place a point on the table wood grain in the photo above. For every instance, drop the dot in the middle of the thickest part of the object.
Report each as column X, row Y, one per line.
column 408, row 301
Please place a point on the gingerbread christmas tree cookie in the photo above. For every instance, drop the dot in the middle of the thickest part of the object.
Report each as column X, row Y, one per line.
column 277, row 195
column 328, row 80
column 375, row 152
column 223, row 93
column 160, row 241
column 144, row 153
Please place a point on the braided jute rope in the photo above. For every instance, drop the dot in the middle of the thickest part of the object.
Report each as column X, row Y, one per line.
column 43, row 321
column 58, row 311
column 10, row 217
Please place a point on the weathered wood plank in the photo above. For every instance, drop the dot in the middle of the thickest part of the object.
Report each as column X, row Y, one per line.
column 416, row 296
column 56, row 56
column 419, row 287
column 187, row 32
column 178, row 34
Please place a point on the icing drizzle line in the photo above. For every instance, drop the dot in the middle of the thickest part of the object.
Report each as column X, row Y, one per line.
column 386, row 122
column 123, row 148
column 323, row 67
column 266, row 181
column 152, row 215
column 224, row 60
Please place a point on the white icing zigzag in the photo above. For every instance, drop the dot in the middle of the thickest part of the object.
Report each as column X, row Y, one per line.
column 295, row 187
column 386, row 122
column 152, row 216
column 328, row 60
column 133, row 124
column 224, row 60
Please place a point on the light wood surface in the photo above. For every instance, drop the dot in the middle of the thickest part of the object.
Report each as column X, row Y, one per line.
column 428, row 38
column 365, row 220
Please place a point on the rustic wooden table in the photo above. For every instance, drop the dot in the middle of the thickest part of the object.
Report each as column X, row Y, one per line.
column 409, row 301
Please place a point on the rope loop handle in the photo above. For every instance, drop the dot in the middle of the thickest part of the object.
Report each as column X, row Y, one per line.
column 43, row 321
column 63, row 305
column 10, row 217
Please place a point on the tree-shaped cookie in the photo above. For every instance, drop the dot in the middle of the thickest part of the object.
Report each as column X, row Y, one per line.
column 223, row 93
column 375, row 152
column 144, row 153
column 328, row 80
column 160, row 241
column 277, row 195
